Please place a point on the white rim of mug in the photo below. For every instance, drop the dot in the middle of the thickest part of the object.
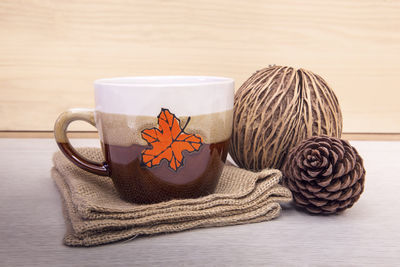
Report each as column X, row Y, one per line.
column 112, row 81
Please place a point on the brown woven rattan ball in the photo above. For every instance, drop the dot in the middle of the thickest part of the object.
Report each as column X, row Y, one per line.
column 275, row 109
column 325, row 174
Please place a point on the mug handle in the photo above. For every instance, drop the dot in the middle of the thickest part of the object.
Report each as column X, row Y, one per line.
column 60, row 134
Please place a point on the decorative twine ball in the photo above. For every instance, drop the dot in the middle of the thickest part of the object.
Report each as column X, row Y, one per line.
column 275, row 109
column 325, row 174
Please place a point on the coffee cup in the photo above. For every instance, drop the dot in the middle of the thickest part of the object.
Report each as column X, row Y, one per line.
column 163, row 137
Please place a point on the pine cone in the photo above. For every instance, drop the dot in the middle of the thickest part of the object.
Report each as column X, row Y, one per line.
column 325, row 174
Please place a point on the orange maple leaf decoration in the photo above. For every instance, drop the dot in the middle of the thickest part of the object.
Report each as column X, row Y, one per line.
column 168, row 141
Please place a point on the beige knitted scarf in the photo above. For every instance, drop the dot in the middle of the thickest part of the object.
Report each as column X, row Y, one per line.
column 95, row 214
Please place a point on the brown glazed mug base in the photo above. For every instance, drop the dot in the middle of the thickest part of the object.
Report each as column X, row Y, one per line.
column 140, row 184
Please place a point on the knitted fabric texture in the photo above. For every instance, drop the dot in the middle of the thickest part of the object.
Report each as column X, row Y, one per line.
column 95, row 214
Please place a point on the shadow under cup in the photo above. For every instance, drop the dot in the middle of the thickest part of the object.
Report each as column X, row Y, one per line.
column 163, row 137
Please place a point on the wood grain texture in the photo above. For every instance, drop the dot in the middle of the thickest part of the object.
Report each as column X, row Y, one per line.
column 52, row 50
column 32, row 226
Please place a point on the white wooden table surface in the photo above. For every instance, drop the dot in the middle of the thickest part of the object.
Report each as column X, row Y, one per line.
column 32, row 226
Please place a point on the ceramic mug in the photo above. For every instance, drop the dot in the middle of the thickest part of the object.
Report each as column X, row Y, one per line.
column 163, row 137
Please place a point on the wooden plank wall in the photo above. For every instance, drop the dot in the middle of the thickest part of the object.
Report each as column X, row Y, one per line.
column 52, row 50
